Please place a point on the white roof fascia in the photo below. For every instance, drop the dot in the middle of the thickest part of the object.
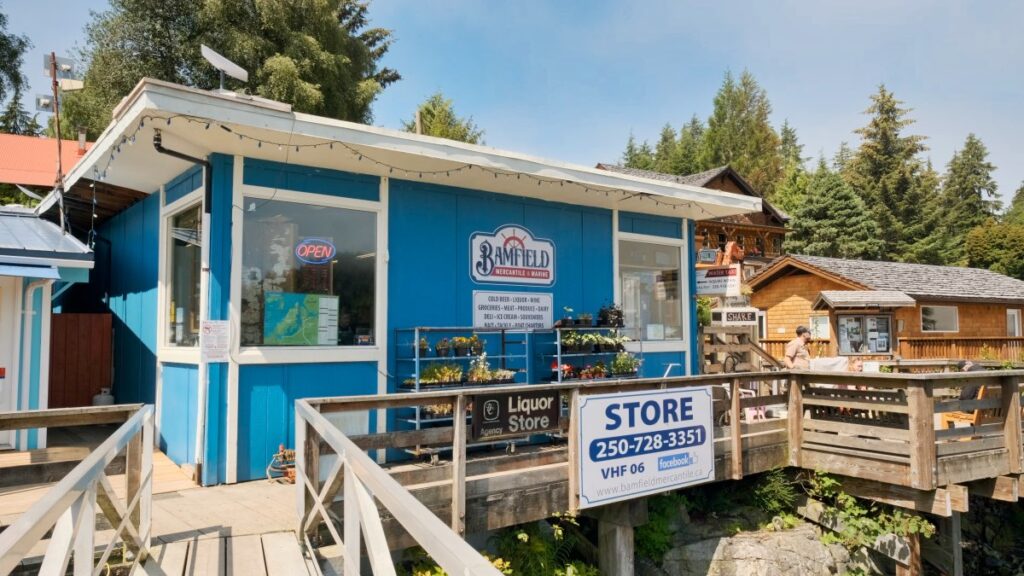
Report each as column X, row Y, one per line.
column 162, row 98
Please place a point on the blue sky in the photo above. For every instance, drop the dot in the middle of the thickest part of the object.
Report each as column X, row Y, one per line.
column 572, row 79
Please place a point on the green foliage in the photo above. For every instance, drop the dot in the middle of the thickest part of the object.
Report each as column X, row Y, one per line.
column 998, row 247
column 704, row 310
column 775, row 492
column 416, row 562
column 886, row 172
column 638, row 156
column 863, row 522
column 1015, row 214
column 739, row 133
column 654, row 538
column 791, row 192
column 438, row 118
column 790, row 149
column 16, row 120
column 12, row 51
column 320, row 56
column 833, row 221
column 542, row 548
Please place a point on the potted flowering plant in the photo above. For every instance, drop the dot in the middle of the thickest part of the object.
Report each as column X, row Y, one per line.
column 573, row 342
column 476, row 345
column 424, row 347
column 585, row 319
column 461, row 345
column 624, row 364
column 566, row 318
column 610, row 315
column 442, row 347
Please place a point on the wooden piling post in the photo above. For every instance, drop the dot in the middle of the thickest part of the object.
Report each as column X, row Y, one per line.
column 133, row 479
column 913, row 565
column 1010, row 395
column 574, row 451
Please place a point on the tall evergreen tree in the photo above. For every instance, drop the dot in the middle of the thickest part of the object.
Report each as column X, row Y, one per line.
column 739, row 133
column 967, row 198
column 885, row 171
column 842, row 158
column 933, row 246
column 320, row 57
column 833, row 221
column 666, row 151
column 12, row 51
column 1015, row 215
column 638, row 156
column 438, row 118
column 688, row 148
column 998, row 246
column 790, row 149
column 791, row 192
column 16, row 120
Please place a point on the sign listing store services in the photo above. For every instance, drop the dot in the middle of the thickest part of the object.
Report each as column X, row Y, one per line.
column 515, row 310
column 511, row 255
column 633, row 445
column 719, row 281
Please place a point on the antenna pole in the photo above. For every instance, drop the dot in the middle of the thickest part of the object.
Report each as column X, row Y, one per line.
column 221, row 79
column 56, row 120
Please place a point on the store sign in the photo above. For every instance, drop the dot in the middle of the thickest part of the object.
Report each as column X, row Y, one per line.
column 315, row 250
column 515, row 414
column 719, row 281
column 515, row 310
column 633, row 445
column 734, row 316
column 511, row 255
column 707, row 256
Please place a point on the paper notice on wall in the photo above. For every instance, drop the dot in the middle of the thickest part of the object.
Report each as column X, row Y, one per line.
column 214, row 341
column 327, row 321
column 513, row 310
column 719, row 281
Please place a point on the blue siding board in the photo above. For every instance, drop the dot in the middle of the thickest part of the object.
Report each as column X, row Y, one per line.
column 184, row 183
column 307, row 179
column 266, row 408
column 178, row 412
column 651, row 225
column 131, row 274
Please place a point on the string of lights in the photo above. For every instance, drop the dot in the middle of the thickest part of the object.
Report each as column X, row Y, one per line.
column 362, row 156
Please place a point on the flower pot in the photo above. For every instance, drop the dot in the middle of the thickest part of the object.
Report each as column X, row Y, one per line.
column 462, row 349
column 477, row 349
column 442, row 350
column 424, row 350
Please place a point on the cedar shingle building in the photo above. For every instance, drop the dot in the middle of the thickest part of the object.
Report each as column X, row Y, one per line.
column 892, row 308
column 760, row 234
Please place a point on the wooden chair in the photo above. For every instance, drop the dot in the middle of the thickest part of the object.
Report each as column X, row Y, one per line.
column 974, row 417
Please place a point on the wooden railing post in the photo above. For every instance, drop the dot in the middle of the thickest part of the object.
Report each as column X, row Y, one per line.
column 311, row 459
column 1010, row 394
column 133, row 479
column 795, row 417
column 735, row 427
column 352, row 520
column 459, row 465
column 923, row 459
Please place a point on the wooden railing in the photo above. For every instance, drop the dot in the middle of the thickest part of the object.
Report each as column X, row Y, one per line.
column 70, row 507
column 777, row 347
column 364, row 484
column 1001, row 349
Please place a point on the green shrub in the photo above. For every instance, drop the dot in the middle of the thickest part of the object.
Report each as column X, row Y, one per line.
column 654, row 538
column 775, row 492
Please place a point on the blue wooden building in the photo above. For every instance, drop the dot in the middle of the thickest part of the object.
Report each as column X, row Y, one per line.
column 316, row 243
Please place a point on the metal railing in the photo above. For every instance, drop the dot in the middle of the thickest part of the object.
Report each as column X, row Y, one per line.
column 70, row 507
column 363, row 484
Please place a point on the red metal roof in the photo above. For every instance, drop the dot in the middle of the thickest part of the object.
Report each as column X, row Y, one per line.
column 32, row 161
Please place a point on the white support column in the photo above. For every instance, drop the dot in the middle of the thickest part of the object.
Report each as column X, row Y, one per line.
column 234, row 321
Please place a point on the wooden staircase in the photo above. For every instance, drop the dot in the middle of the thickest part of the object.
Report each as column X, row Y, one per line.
column 727, row 349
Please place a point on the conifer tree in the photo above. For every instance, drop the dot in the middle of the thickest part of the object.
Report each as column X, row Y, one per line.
column 1015, row 215
column 638, row 156
column 438, row 118
column 885, row 171
column 12, row 51
column 790, row 149
column 833, row 221
column 997, row 246
column 666, row 152
column 967, row 199
column 688, row 148
column 739, row 133
column 841, row 159
column 791, row 192
column 16, row 120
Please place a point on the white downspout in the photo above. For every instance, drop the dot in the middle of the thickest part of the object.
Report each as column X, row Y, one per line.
column 27, row 312
column 202, row 381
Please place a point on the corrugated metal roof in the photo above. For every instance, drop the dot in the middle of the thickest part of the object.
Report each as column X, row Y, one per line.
column 28, row 236
column 32, row 161
column 862, row 299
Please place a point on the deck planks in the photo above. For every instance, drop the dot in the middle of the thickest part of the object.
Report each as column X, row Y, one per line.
column 205, row 557
column 282, row 554
column 167, row 559
column 245, row 555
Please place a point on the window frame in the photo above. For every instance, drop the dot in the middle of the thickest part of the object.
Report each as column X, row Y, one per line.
column 1015, row 315
column 683, row 343
column 166, row 352
column 920, row 313
column 863, row 322
column 310, row 354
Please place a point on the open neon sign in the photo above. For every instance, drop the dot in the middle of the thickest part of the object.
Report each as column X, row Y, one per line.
column 315, row 251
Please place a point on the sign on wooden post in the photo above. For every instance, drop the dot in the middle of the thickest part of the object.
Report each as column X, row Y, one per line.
column 514, row 414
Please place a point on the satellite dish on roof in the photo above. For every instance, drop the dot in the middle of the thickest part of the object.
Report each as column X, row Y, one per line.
column 224, row 65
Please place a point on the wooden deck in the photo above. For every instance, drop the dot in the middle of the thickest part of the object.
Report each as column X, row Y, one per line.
column 268, row 554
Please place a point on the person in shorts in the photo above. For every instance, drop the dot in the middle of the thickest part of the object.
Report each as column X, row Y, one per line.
column 796, row 355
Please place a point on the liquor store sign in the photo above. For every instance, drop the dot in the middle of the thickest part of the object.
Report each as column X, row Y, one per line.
column 511, row 255
column 633, row 445
column 515, row 414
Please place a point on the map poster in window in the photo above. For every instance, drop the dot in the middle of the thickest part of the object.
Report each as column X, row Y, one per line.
column 297, row 319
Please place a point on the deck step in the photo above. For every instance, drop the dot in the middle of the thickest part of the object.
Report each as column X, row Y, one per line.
column 272, row 554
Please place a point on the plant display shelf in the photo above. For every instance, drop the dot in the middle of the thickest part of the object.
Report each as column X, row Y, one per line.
column 560, row 356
